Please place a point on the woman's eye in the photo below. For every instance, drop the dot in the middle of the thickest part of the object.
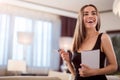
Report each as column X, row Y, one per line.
column 85, row 14
column 94, row 13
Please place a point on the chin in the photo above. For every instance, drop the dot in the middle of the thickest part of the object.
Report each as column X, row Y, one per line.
column 90, row 25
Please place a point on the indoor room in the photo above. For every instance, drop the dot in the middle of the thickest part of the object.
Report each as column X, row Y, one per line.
column 33, row 31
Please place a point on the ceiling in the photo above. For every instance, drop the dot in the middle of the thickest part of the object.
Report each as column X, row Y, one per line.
column 73, row 5
column 63, row 7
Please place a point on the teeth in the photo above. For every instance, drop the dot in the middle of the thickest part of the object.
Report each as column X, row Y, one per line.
column 90, row 21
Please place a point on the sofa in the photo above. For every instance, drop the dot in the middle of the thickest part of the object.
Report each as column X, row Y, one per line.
column 28, row 78
column 113, row 77
column 58, row 77
column 52, row 75
column 67, row 76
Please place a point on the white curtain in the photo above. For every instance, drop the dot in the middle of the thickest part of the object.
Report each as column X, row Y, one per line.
column 41, row 53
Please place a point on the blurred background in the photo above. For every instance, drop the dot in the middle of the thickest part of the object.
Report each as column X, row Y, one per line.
column 31, row 32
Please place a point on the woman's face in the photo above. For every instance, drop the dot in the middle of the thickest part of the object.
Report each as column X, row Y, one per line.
column 90, row 17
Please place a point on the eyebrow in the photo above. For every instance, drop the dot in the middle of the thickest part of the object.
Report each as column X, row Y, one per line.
column 94, row 11
column 87, row 11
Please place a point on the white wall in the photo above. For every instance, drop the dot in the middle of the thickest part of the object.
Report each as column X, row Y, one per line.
column 109, row 21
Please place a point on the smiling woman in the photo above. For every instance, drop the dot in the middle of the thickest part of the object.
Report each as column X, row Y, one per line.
column 88, row 38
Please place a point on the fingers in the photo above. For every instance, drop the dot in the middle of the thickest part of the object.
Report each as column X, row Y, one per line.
column 84, row 66
column 64, row 55
column 85, row 70
column 61, row 51
column 81, row 72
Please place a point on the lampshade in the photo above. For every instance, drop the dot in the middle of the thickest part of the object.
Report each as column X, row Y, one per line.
column 116, row 7
column 25, row 37
column 65, row 43
column 16, row 66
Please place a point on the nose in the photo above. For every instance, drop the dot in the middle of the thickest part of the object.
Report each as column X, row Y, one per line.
column 90, row 15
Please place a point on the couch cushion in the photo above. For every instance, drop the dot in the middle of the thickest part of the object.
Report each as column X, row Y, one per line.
column 61, row 75
column 28, row 78
column 113, row 77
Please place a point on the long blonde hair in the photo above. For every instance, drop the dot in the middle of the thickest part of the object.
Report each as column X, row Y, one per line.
column 80, row 32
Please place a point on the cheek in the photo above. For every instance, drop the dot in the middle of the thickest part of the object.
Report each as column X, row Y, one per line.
column 84, row 20
column 96, row 19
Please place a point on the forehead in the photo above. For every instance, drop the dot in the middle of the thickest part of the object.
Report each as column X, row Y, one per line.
column 89, row 8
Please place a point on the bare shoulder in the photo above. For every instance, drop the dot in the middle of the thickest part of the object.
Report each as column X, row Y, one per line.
column 105, row 37
column 106, row 43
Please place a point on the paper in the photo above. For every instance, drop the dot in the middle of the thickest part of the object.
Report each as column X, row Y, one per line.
column 91, row 58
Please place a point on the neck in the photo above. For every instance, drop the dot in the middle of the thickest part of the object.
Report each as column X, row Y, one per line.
column 91, row 33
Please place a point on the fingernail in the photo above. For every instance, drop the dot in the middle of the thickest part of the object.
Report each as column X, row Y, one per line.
column 59, row 50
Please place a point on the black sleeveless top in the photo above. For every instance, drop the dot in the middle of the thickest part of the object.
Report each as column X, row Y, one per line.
column 76, row 59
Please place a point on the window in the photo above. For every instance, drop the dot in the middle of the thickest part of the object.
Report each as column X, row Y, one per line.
column 21, row 24
column 42, row 43
column 4, row 21
column 38, row 54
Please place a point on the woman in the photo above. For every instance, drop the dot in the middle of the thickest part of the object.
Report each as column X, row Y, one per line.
column 87, row 37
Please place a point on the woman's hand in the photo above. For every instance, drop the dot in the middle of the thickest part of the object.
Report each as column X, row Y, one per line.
column 64, row 55
column 86, row 71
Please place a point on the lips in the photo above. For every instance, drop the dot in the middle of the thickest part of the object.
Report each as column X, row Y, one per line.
column 90, row 20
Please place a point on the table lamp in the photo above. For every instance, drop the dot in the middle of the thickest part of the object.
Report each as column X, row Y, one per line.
column 65, row 43
column 25, row 38
column 16, row 66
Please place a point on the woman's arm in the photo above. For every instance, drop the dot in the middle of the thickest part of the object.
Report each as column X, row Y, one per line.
column 71, row 68
column 66, row 57
column 107, row 48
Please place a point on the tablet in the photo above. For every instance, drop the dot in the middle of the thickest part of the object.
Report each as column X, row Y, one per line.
column 91, row 58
